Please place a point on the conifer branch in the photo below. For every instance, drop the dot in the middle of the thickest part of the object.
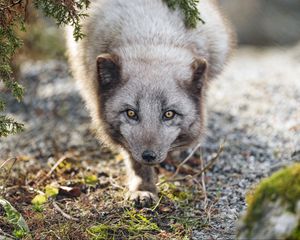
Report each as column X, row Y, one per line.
column 12, row 18
column 9, row 126
column 189, row 9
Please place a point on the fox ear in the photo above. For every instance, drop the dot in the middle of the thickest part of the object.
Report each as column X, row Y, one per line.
column 199, row 67
column 108, row 71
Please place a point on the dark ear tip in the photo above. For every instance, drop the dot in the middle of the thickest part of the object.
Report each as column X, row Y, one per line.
column 107, row 57
column 108, row 71
column 199, row 65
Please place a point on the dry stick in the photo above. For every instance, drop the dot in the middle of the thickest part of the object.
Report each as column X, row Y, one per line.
column 9, row 171
column 156, row 205
column 25, row 10
column 208, row 210
column 63, row 158
column 186, row 159
column 208, row 166
column 63, row 213
column 203, row 183
column 114, row 183
column 11, row 5
column 8, row 236
column 6, row 161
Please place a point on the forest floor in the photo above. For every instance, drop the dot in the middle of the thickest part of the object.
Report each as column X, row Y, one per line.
column 253, row 111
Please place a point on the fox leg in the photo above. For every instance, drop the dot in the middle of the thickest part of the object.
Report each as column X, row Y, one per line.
column 141, row 183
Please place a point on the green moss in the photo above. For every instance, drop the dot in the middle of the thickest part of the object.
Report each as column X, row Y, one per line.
column 130, row 224
column 296, row 234
column 175, row 193
column 172, row 218
column 283, row 185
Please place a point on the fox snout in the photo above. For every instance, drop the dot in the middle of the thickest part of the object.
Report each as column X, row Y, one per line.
column 149, row 156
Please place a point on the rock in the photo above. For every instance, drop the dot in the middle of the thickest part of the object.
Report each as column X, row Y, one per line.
column 264, row 22
column 274, row 208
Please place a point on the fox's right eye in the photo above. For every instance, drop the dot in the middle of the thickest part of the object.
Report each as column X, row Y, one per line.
column 131, row 114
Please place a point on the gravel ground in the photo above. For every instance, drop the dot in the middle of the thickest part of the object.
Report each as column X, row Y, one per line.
column 254, row 106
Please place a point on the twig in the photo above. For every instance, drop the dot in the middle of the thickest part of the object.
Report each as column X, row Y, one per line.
column 208, row 210
column 114, row 183
column 156, row 205
column 208, row 166
column 186, row 159
column 203, row 184
column 6, row 161
column 57, row 237
column 11, row 5
column 6, row 235
column 63, row 158
column 63, row 213
column 8, row 172
column 25, row 10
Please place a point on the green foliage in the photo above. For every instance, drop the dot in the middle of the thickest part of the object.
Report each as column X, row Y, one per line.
column 65, row 12
column 190, row 11
column 15, row 218
column 91, row 179
column 2, row 105
column 9, row 126
column 12, row 19
column 295, row 234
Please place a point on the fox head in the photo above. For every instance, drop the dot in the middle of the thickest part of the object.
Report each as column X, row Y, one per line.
column 151, row 106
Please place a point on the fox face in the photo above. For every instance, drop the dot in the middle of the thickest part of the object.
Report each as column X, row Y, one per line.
column 151, row 108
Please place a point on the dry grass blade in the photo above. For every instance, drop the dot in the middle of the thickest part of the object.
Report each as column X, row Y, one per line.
column 6, row 177
column 67, row 216
column 6, row 236
column 63, row 158
column 204, row 185
column 6, row 161
column 186, row 159
column 208, row 166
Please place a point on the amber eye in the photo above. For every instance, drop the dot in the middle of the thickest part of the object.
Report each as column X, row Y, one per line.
column 131, row 114
column 168, row 115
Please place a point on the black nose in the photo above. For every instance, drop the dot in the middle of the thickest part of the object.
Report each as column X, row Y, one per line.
column 149, row 156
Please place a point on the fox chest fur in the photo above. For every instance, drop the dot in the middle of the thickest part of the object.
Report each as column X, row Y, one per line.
column 143, row 76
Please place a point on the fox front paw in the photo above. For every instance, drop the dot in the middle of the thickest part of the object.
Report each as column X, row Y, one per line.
column 142, row 198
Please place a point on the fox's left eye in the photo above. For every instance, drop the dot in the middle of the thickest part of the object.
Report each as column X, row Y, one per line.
column 168, row 115
column 131, row 114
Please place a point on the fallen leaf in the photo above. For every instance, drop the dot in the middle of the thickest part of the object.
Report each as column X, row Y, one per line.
column 14, row 216
column 69, row 191
column 51, row 191
column 39, row 199
column 91, row 179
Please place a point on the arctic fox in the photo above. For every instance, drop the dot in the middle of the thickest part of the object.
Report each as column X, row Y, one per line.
column 143, row 75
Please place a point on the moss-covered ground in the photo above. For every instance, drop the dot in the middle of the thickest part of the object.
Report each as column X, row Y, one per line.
column 284, row 186
column 85, row 200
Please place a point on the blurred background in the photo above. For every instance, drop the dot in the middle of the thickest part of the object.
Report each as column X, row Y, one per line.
column 264, row 22
column 257, row 22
